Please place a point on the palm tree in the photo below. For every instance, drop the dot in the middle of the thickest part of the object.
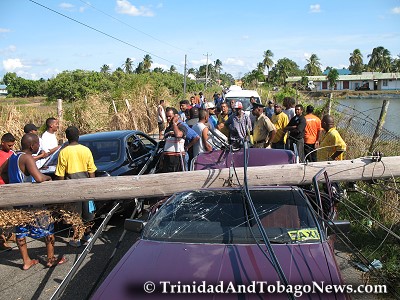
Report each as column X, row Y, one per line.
column 356, row 62
column 396, row 64
column 128, row 66
column 147, row 62
column 260, row 67
column 314, row 66
column 332, row 77
column 139, row 68
column 172, row 69
column 105, row 69
column 380, row 60
column 192, row 71
column 218, row 67
column 267, row 61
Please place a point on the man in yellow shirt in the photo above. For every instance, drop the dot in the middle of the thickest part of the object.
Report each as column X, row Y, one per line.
column 332, row 145
column 75, row 161
column 280, row 120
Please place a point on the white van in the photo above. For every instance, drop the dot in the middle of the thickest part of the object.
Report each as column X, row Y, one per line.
column 242, row 96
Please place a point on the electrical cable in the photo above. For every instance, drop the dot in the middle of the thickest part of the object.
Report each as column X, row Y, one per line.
column 104, row 33
column 138, row 30
column 275, row 262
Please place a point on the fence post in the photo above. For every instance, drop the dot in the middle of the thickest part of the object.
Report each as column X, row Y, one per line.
column 130, row 112
column 115, row 107
column 60, row 119
column 379, row 125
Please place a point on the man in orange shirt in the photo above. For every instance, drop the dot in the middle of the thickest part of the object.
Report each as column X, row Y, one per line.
column 311, row 134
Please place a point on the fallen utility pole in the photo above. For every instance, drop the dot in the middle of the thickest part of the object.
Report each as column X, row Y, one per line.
column 159, row 185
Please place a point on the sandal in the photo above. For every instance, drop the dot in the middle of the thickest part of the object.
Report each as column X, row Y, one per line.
column 54, row 262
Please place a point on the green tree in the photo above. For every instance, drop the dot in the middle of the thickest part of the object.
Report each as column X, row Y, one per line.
column 356, row 62
column 105, row 69
column 267, row 60
column 218, row 67
column 332, row 77
column 283, row 68
column 380, row 60
column 313, row 66
column 192, row 71
column 172, row 69
column 396, row 64
column 9, row 77
column 147, row 61
column 128, row 66
column 158, row 70
column 140, row 68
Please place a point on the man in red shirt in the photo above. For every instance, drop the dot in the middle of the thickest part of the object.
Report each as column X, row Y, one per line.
column 7, row 143
column 311, row 134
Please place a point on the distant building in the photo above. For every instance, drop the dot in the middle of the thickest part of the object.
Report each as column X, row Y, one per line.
column 367, row 80
column 3, row 90
column 340, row 72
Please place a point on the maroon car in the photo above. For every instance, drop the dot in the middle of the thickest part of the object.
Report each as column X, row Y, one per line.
column 207, row 244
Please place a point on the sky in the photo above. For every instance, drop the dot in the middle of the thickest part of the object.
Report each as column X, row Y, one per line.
column 41, row 38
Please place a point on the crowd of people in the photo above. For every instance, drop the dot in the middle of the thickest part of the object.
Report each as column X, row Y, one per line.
column 74, row 161
column 194, row 128
column 199, row 126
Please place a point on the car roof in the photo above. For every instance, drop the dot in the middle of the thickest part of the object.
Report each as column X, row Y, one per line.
column 242, row 93
column 116, row 134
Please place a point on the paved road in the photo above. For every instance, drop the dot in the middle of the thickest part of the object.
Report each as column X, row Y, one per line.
column 40, row 282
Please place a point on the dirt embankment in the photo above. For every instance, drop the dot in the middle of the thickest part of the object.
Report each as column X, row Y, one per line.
column 346, row 94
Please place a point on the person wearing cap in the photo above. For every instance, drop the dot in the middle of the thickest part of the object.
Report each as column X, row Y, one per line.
column 295, row 128
column 264, row 131
column 239, row 125
column 212, row 118
column 312, row 134
column 269, row 110
column 280, row 120
column 40, row 156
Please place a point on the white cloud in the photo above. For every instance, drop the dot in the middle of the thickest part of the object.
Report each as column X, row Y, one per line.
column 315, row 8
column 245, row 37
column 396, row 10
column 234, row 62
column 157, row 65
column 12, row 64
column 199, row 62
column 159, row 5
column 126, row 8
column 2, row 30
column 67, row 6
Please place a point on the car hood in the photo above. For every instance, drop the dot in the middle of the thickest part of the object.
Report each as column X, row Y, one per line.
column 181, row 263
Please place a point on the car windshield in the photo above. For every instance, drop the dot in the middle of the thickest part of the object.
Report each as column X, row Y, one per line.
column 103, row 151
column 245, row 101
column 220, row 217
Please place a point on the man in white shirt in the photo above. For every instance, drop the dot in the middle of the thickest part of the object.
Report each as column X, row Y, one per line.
column 41, row 155
column 49, row 138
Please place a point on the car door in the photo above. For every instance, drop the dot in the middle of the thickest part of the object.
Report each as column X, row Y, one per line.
column 139, row 149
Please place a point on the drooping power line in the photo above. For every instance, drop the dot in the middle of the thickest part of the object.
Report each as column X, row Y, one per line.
column 104, row 33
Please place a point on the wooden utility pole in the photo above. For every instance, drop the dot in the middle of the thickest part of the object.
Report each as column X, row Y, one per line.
column 184, row 80
column 159, row 185
column 379, row 125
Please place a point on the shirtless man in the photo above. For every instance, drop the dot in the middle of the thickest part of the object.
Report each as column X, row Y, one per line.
column 21, row 168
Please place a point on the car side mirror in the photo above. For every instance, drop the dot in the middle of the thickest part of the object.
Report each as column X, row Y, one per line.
column 338, row 227
column 134, row 225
